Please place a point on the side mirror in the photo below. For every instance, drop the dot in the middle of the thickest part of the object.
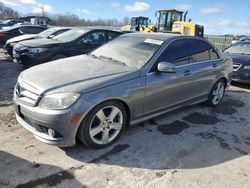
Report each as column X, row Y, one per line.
column 166, row 67
column 20, row 30
column 149, row 21
column 51, row 36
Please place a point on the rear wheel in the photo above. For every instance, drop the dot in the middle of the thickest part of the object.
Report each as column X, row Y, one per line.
column 216, row 94
column 103, row 125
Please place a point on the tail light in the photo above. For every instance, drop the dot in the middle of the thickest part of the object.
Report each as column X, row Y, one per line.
column 2, row 34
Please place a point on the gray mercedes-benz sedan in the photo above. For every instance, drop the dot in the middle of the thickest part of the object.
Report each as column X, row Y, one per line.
column 133, row 78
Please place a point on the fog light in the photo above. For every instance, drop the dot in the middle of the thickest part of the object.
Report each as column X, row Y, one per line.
column 51, row 132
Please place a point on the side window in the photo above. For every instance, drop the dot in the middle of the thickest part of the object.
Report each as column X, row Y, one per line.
column 60, row 32
column 177, row 53
column 212, row 53
column 32, row 30
column 96, row 38
column 36, row 30
column 199, row 50
column 112, row 35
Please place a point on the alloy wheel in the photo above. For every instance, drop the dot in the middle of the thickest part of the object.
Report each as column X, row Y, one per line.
column 218, row 93
column 106, row 125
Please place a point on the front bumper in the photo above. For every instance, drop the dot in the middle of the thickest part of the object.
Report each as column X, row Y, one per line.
column 242, row 76
column 30, row 59
column 38, row 121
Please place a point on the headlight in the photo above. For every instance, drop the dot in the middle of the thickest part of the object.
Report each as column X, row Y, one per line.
column 58, row 101
column 12, row 44
column 247, row 67
column 37, row 50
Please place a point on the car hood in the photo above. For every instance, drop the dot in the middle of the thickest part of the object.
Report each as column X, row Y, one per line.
column 240, row 58
column 42, row 42
column 82, row 74
column 21, row 38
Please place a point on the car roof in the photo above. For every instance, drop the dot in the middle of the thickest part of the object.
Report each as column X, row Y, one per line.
column 157, row 36
column 60, row 27
column 96, row 28
column 22, row 26
column 244, row 42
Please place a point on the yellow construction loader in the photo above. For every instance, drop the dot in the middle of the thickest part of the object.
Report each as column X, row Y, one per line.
column 141, row 24
column 171, row 20
column 168, row 20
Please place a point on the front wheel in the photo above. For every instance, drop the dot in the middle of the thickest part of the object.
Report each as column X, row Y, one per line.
column 216, row 94
column 103, row 125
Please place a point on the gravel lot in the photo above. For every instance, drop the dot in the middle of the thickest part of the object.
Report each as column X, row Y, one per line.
column 192, row 147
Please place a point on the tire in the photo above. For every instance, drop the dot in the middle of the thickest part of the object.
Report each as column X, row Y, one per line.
column 58, row 57
column 98, row 130
column 216, row 94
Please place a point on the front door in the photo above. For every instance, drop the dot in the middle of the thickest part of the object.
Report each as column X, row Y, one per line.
column 167, row 90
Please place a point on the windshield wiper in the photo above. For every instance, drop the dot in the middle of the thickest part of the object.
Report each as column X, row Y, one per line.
column 112, row 59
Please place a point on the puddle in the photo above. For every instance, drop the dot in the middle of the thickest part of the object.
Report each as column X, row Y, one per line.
column 208, row 135
column 173, row 128
column 226, row 107
column 241, row 151
column 198, row 118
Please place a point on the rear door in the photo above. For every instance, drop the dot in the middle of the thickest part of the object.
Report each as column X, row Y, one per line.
column 205, row 64
column 167, row 90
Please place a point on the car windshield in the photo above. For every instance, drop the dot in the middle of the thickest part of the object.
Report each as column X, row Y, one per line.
column 70, row 35
column 6, row 21
column 239, row 48
column 129, row 50
column 48, row 32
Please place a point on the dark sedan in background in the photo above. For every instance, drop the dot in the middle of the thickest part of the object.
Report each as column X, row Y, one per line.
column 48, row 33
column 77, row 41
column 240, row 53
column 15, row 31
column 8, row 23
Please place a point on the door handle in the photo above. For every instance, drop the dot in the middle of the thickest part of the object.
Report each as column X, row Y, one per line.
column 215, row 65
column 187, row 72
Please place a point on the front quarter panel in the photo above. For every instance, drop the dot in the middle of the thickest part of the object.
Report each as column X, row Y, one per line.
column 131, row 92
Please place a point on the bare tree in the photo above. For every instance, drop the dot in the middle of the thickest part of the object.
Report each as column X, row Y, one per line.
column 6, row 12
column 126, row 20
column 66, row 20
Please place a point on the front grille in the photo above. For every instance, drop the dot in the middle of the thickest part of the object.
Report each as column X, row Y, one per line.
column 26, row 94
column 236, row 66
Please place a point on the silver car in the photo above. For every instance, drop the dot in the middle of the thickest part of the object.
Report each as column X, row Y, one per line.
column 133, row 78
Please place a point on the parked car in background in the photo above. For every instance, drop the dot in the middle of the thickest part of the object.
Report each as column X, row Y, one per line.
column 7, row 23
column 11, row 32
column 240, row 53
column 70, row 43
column 133, row 78
column 48, row 33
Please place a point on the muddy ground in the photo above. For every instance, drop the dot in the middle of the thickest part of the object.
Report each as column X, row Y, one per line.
column 192, row 147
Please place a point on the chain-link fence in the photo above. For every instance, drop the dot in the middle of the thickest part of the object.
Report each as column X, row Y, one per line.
column 219, row 41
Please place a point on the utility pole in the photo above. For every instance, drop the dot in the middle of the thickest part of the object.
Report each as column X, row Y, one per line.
column 43, row 11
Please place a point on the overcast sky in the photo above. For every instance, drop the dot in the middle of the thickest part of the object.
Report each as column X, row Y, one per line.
column 218, row 17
